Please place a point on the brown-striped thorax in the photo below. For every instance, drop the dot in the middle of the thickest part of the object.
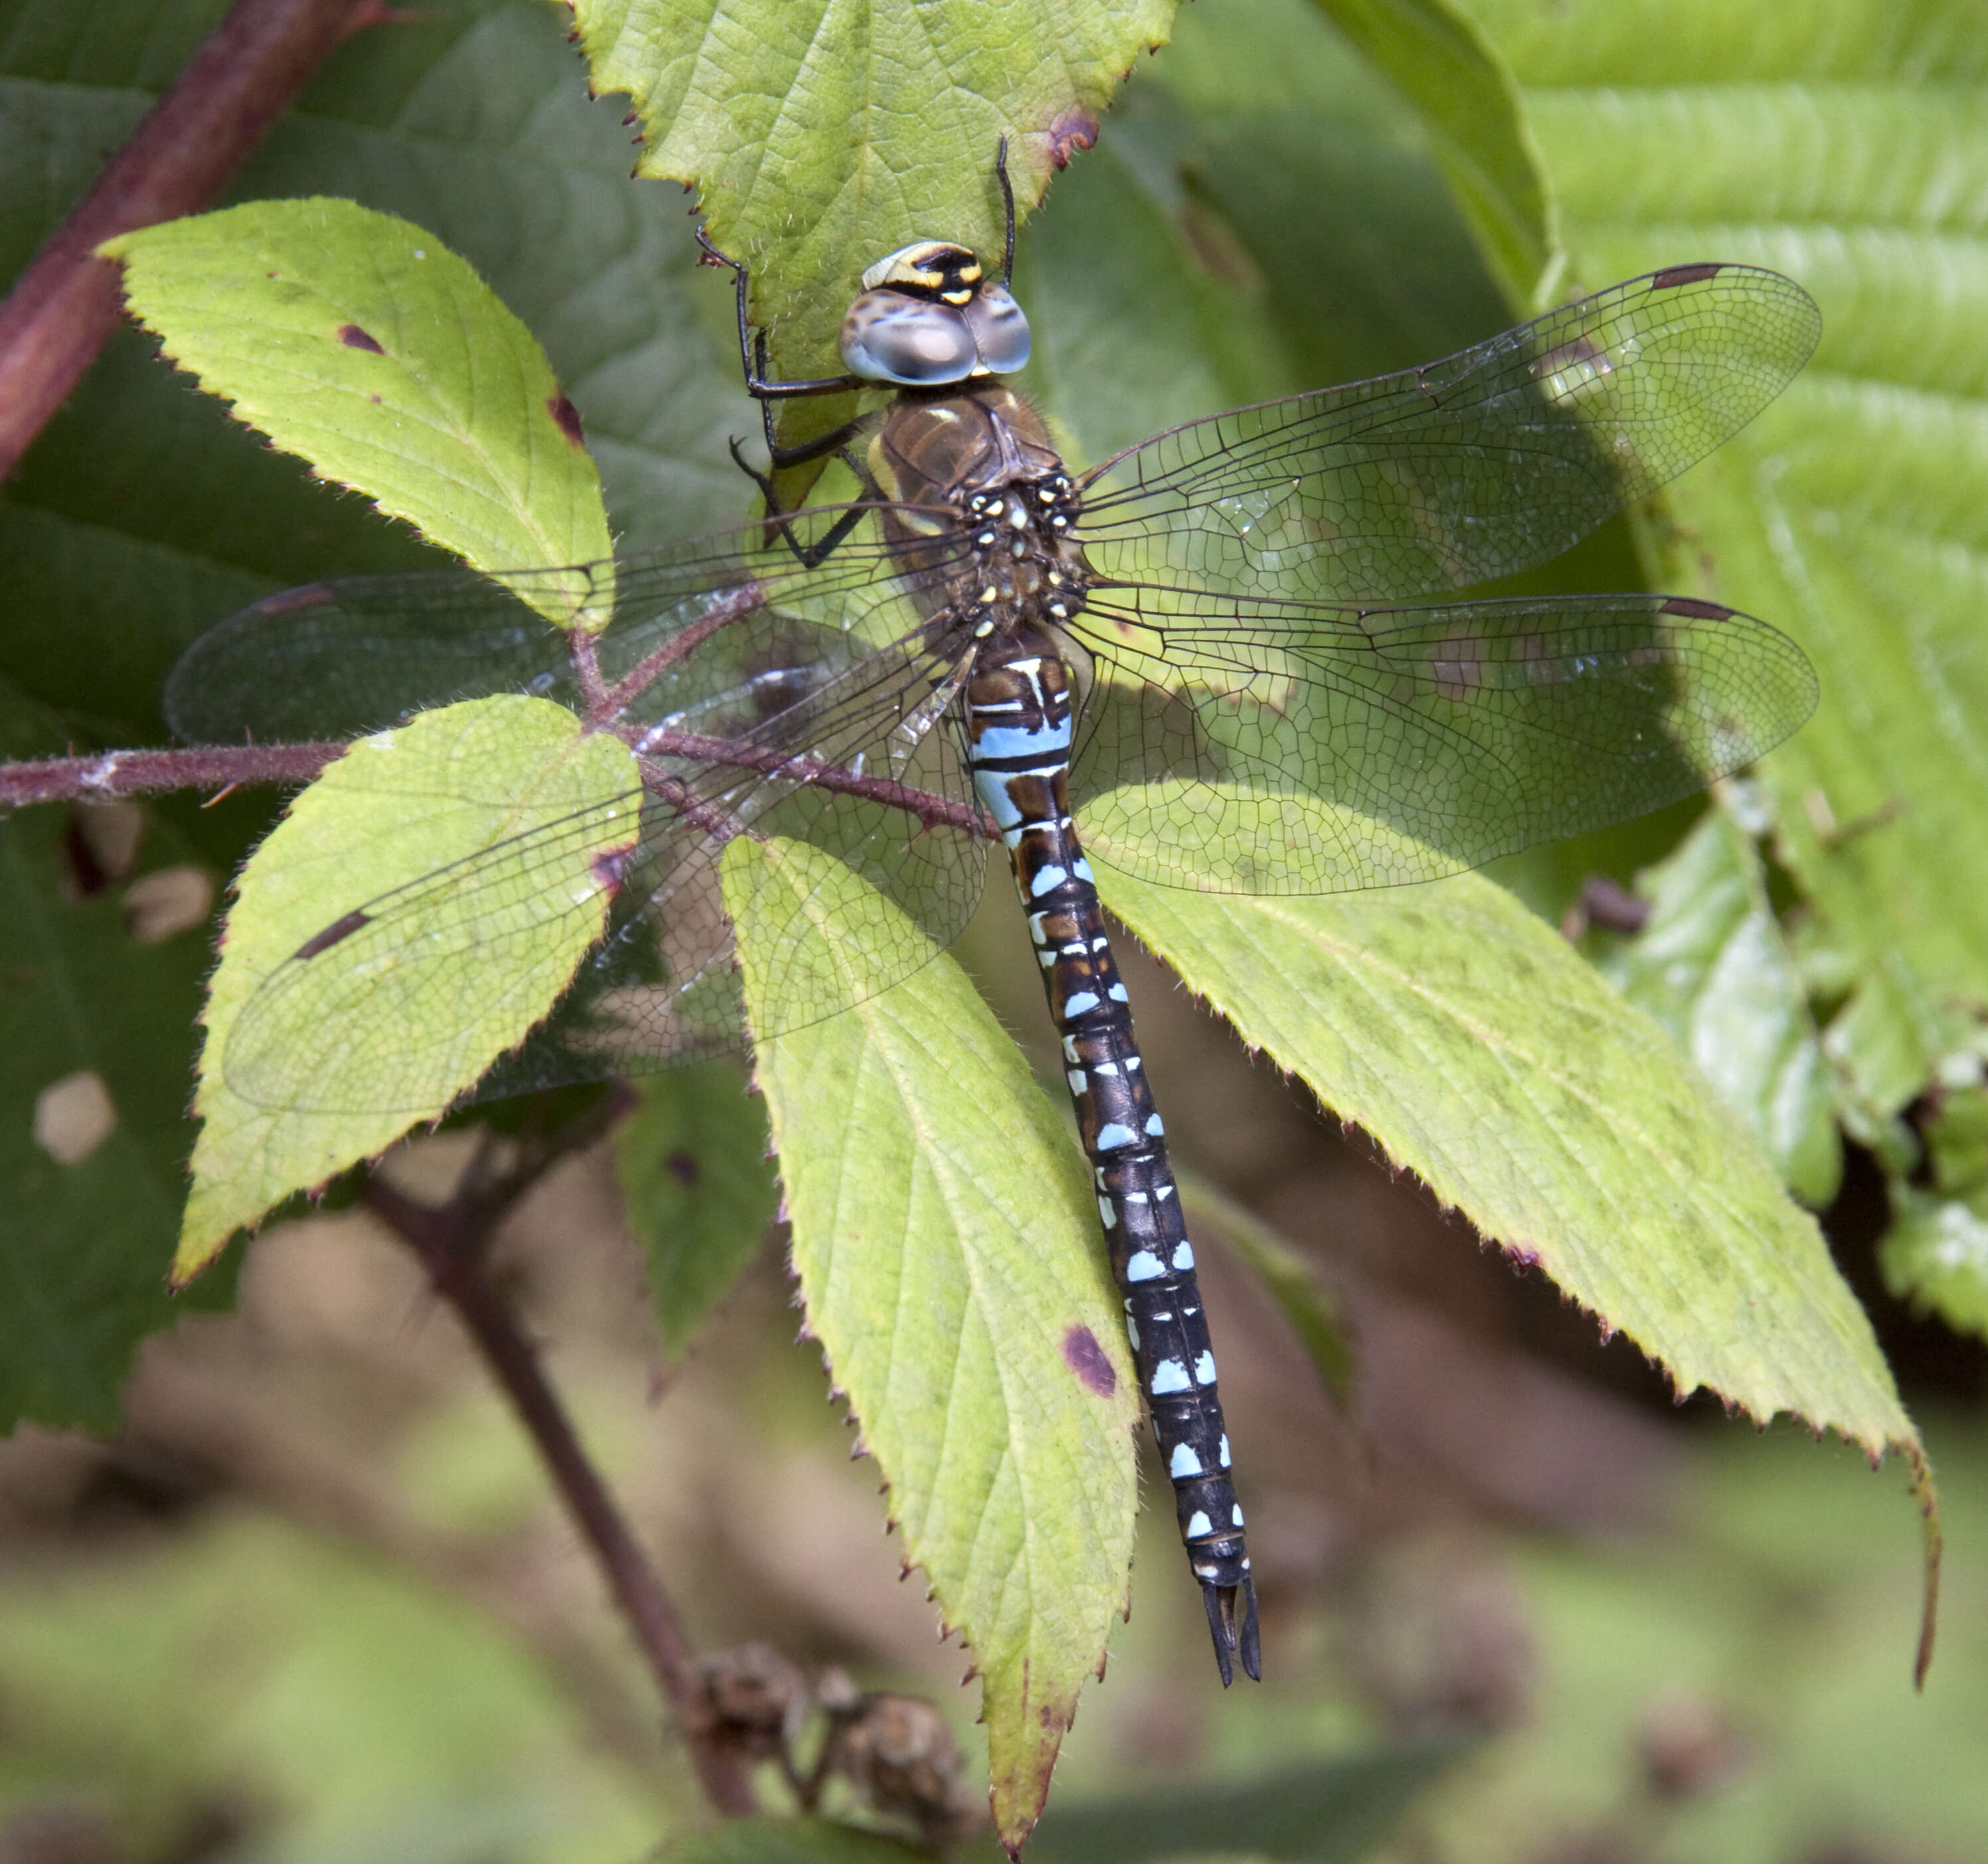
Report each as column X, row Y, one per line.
column 929, row 320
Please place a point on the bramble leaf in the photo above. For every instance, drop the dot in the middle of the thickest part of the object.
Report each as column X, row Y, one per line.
column 364, row 345
column 944, row 1235
column 330, row 1033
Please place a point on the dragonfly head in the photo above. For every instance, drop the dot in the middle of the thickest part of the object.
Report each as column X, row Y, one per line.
column 928, row 316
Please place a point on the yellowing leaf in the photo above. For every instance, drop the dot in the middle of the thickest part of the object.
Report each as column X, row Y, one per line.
column 374, row 967
column 364, row 345
column 1470, row 1040
column 946, row 1239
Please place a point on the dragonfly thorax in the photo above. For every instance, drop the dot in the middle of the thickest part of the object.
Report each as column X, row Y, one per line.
column 979, row 469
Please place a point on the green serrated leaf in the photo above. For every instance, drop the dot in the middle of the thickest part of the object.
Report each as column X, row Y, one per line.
column 309, row 1067
column 97, row 997
column 944, row 1235
column 1433, row 52
column 700, row 1189
column 144, row 513
column 1851, row 514
column 1936, row 1255
column 364, row 345
column 1711, row 968
column 811, row 168
column 1486, row 1058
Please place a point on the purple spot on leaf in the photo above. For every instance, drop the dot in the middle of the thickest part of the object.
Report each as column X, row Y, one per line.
column 1073, row 130
column 1082, row 1354
column 608, row 869
column 566, row 417
column 682, row 1167
column 353, row 337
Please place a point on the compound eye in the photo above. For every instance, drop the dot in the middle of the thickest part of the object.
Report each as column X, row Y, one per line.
column 1000, row 330
column 887, row 337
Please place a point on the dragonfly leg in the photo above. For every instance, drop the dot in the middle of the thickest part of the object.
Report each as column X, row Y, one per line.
column 809, row 556
column 1007, row 202
column 782, row 455
column 753, row 357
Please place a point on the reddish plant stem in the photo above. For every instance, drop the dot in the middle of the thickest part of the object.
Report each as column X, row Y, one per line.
column 63, row 309
column 134, row 773
column 799, row 768
column 742, row 600
column 449, row 1241
column 137, row 773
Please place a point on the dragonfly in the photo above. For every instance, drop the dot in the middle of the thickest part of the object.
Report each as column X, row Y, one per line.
column 1222, row 654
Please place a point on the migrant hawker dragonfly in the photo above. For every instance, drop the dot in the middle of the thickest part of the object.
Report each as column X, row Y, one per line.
column 1213, row 652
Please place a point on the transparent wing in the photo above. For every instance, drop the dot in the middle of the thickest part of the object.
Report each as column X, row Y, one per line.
column 792, row 709
column 858, row 766
column 1462, row 471
column 338, row 658
column 1272, row 747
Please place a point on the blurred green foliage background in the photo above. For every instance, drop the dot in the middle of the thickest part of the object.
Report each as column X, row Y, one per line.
column 311, row 1603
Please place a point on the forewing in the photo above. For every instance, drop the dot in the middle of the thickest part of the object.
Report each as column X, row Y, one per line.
column 1462, row 471
column 800, row 705
column 441, row 951
column 857, row 766
column 336, row 659
column 1271, row 748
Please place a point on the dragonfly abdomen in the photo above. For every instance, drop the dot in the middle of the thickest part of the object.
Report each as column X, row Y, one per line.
column 1018, row 723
